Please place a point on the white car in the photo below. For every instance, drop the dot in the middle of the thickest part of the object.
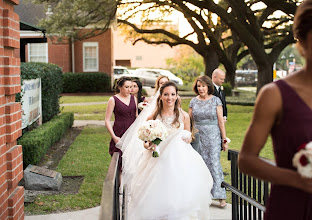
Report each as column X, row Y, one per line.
column 120, row 71
column 148, row 77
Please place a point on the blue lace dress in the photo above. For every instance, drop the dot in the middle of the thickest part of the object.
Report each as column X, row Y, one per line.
column 208, row 140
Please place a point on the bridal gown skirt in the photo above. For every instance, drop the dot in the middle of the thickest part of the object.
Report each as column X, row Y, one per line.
column 174, row 186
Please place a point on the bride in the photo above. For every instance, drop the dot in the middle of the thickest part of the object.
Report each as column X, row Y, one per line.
column 175, row 185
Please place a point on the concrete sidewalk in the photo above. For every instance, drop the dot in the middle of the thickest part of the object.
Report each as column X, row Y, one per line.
column 216, row 213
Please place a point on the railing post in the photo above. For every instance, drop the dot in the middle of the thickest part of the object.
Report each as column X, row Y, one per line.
column 109, row 209
column 247, row 201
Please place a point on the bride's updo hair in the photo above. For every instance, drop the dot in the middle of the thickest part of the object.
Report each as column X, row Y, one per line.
column 159, row 105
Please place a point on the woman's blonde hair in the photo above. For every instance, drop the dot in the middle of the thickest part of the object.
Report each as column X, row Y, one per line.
column 157, row 82
column 159, row 106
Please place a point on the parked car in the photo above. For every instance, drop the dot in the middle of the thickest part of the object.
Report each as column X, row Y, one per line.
column 148, row 77
column 120, row 71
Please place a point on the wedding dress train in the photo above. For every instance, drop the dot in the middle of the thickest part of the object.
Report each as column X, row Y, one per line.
column 175, row 185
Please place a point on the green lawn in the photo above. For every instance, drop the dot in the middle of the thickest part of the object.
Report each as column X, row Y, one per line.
column 87, row 156
column 82, row 99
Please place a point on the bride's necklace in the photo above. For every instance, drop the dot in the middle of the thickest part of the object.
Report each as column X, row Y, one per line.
column 168, row 119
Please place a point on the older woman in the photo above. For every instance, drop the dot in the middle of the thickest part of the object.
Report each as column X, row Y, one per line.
column 206, row 111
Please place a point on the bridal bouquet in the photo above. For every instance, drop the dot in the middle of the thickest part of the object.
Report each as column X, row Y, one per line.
column 303, row 160
column 142, row 105
column 153, row 131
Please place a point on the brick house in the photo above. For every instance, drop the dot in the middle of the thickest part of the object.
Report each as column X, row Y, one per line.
column 94, row 54
column 11, row 159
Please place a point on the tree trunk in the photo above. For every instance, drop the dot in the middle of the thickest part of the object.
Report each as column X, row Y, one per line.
column 265, row 75
column 230, row 74
column 211, row 61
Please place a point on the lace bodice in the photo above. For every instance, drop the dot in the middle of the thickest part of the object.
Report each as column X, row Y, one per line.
column 167, row 121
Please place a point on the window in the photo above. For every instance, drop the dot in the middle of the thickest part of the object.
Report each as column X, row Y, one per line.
column 138, row 57
column 90, row 56
column 38, row 52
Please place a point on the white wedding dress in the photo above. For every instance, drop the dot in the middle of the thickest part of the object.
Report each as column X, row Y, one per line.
column 174, row 186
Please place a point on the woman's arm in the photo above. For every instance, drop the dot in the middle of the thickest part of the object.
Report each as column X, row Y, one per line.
column 108, row 116
column 267, row 112
column 221, row 126
column 186, row 121
column 187, row 126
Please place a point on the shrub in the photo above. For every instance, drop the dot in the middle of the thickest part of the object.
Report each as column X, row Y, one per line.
column 51, row 83
column 227, row 88
column 37, row 141
column 86, row 82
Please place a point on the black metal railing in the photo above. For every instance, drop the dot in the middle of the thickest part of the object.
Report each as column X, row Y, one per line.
column 249, row 195
column 110, row 205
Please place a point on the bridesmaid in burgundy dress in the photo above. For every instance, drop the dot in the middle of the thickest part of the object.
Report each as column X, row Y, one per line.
column 124, row 107
column 284, row 110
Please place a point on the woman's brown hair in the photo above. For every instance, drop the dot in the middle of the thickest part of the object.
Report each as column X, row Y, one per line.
column 120, row 82
column 206, row 80
column 302, row 24
column 303, row 20
column 157, row 82
column 160, row 106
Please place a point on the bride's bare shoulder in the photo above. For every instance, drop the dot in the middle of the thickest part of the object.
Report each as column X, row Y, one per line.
column 185, row 114
column 149, row 117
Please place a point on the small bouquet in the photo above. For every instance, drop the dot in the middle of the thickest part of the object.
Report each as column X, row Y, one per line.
column 153, row 131
column 303, row 160
column 142, row 105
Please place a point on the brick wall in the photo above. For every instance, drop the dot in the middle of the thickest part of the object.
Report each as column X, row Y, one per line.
column 11, row 159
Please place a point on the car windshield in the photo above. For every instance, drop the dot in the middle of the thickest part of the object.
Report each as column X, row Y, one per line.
column 121, row 71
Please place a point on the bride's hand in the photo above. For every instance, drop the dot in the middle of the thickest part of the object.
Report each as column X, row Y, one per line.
column 187, row 140
column 149, row 145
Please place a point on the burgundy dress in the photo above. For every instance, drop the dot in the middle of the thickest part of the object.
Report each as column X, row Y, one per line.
column 124, row 117
column 294, row 129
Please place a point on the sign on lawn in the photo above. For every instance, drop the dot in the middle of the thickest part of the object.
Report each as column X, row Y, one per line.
column 31, row 101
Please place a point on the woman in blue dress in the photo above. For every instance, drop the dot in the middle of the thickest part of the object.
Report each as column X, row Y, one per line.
column 206, row 111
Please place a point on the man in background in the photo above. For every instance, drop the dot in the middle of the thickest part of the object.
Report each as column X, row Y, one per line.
column 218, row 77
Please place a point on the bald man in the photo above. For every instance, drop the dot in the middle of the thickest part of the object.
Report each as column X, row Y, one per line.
column 218, row 77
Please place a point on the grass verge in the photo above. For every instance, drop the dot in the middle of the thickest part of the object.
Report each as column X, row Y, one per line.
column 87, row 156
column 83, row 99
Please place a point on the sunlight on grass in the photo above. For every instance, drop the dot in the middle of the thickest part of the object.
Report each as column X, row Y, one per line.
column 82, row 99
column 85, row 109
column 87, row 156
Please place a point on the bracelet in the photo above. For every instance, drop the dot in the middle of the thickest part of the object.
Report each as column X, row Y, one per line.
column 226, row 140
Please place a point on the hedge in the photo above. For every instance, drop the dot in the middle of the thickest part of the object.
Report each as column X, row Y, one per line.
column 37, row 141
column 51, row 83
column 86, row 82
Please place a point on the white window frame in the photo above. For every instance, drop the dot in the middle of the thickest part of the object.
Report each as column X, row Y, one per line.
column 46, row 55
column 90, row 44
